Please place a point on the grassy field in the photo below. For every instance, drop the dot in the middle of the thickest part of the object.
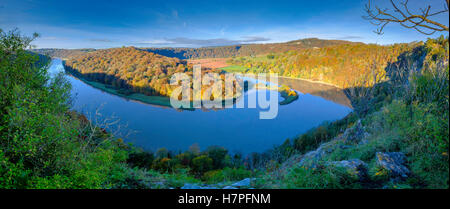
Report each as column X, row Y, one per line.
column 234, row 69
column 243, row 69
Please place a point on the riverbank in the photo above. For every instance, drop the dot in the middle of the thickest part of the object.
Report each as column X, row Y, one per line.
column 161, row 101
column 150, row 121
column 312, row 81
column 153, row 100
column 288, row 95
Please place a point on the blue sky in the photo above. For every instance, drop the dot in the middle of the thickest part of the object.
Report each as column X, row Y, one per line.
column 104, row 24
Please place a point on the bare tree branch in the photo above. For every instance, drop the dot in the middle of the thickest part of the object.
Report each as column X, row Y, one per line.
column 421, row 22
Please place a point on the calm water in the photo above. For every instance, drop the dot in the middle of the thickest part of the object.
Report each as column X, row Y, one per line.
column 240, row 130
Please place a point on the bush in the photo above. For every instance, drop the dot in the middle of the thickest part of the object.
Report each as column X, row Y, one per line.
column 43, row 145
column 218, row 155
column 141, row 159
column 202, row 164
column 423, row 138
column 325, row 132
column 162, row 153
column 320, row 178
column 226, row 174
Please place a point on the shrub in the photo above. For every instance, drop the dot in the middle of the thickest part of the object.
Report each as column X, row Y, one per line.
column 217, row 154
column 325, row 132
column 162, row 153
column 141, row 159
column 43, row 145
column 226, row 174
column 202, row 164
column 424, row 139
column 320, row 178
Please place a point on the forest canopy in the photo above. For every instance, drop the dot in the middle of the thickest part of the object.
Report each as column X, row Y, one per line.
column 212, row 52
column 245, row 49
column 133, row 70
column 345, row 65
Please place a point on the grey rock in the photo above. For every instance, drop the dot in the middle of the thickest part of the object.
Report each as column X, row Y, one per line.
column 210, row 187
column 354, row 167
column 394, row 162
column 243, row 183
column 191, row 186
column 345, row 146
column 221, row 184
column 310, row 159
column 157, row 185
column 355, row 134
column 348, row 139
column 194, row 186
column 363, row 142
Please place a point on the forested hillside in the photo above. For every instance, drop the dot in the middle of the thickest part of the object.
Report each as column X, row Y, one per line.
column 346, row 65
column 45, row 145
column 132, row 70
column 397, row 136
column 211, row 52
column 61, row 53
column 42, row 143
column 245, row 50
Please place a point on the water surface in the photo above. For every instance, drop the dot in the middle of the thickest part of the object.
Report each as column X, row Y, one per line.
column 239, row 130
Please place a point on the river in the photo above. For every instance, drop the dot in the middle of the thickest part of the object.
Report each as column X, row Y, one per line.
column 238, row 130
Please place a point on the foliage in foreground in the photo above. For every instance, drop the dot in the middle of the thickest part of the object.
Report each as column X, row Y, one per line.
column 45, row 145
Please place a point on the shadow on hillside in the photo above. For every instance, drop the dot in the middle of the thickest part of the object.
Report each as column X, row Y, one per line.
column 325, row 91
column 368, row 99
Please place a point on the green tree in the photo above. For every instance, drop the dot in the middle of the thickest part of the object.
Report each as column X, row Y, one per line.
column 217, row 154
column 42, row 143
column 202, row 164
column 162, row 153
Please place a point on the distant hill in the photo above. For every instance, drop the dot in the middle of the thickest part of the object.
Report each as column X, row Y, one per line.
column 344, row 65
column 245, row 50
column 213, row 52
column 62, row 53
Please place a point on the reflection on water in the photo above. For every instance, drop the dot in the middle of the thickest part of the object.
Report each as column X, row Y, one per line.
column 317, row 89
column 235, row 129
